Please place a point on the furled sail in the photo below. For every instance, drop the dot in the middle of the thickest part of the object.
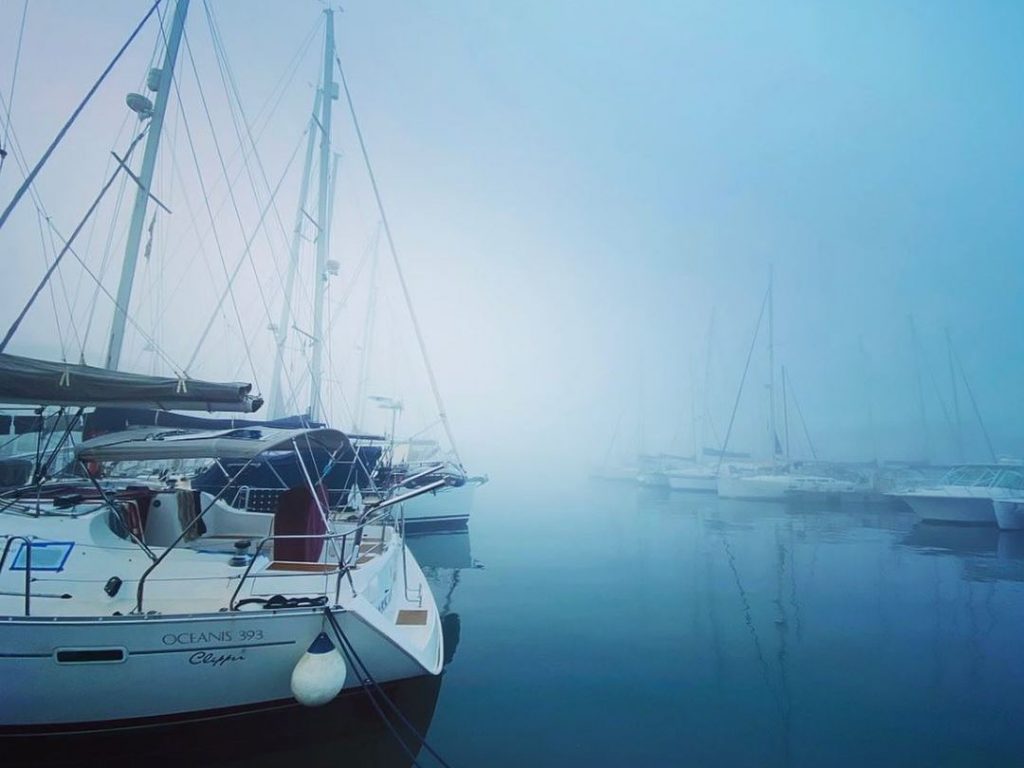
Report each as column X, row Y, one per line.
column 25, row 380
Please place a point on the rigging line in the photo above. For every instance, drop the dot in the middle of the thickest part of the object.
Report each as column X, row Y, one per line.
column 53, row 299
column 199, row 252
column 232, row 105
column 117, row 141
column 242, row 258
column 167, row 359
column 74, row 116
column 398, row 267
column 282, row 86
column 213, row 226
column 342, row 302
column 803, row 424
column 105, row 261
column 231, row 192
column 228, row 77
column 376, row 686
column 746, row 367
column 14, row 79
column 974, row 404
column 64, row 294
column 67, row 246
column 37, row 202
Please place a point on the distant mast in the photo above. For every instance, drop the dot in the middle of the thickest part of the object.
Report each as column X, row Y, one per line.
column 915, row 346
column 958, row 435
column 142, row 194
column 323, row 199
column 772, row 437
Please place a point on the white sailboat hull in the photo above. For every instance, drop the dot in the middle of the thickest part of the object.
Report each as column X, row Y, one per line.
column 445, row 509
column 754, row 487
column 693, row 483
column 171, row 669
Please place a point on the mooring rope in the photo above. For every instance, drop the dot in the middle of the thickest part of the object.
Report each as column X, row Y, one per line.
column 350, row 653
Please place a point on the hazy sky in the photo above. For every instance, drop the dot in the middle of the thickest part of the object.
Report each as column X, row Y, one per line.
column 573, row 189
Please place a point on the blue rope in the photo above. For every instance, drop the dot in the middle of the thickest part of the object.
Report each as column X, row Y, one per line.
column 367, row 677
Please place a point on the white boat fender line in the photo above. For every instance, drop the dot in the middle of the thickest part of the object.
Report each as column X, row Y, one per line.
column 320, row 674
column 372, row 687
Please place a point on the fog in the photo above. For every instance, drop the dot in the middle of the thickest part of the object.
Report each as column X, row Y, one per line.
column 574, row 190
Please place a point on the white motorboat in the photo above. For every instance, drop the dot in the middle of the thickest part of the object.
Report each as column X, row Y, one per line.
column 127, row 604
column 965, row 495
column 1009, row 513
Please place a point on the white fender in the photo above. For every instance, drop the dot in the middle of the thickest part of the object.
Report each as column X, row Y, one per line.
column 320, row 674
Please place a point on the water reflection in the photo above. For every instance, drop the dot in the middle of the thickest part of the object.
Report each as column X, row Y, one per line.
column 347, row 730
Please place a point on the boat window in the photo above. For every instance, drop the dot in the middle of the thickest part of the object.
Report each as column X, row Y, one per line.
column 46, row 556
column 90, row 655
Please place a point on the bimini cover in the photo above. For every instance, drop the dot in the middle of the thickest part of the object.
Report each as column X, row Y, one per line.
column 42, row 382
column 119, row 419
column 247, row 443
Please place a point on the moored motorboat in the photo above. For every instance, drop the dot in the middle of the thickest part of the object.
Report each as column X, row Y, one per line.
column 965, row 495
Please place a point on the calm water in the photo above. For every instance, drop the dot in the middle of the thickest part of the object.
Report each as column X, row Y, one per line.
column 616, row 626
column 604, row 625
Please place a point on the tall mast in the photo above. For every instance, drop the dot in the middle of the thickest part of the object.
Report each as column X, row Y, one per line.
column 131, row 251
column 785, row 413
column 323, row 199
column 773, row 439
column 706, row 415
column 276, row 409
column 866, row 362
column 957, row 430
column 916, row 349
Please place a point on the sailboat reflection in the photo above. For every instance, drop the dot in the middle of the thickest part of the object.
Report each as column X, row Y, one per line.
column 443, row 557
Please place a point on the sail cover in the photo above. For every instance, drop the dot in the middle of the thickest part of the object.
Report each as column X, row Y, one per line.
column 25, row 380
column 156, row 443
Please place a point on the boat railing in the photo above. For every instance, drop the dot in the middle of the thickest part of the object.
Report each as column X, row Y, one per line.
column 345, row 559
column 27, row 545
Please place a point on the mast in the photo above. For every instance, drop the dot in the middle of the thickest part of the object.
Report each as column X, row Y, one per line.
column 785, row 413
column 323, row 199
column 916, row 348
column 957, row 431
column 706, row 415
column 866, row 362
column 156, row 122
column 772, row 438
column 281, row 337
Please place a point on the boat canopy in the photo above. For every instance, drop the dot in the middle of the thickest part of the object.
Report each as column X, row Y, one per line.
column 119, row 419
column 245, row 443
column 29, row 381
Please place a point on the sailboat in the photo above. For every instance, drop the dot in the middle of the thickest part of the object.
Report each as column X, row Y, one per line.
column 743, row 483
column 133, row 601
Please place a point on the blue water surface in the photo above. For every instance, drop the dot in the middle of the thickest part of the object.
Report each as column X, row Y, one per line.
column 600, row 624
